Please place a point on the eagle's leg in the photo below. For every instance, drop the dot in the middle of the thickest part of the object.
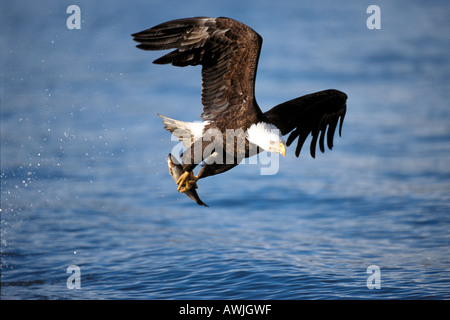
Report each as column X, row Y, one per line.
column 217, row 164
column 191, row 157
column 187, row 181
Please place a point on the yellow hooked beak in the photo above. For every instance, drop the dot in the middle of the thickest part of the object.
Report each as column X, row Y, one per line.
column 282, row 149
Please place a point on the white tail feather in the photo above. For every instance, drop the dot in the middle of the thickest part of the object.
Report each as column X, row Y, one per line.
column 187, row 132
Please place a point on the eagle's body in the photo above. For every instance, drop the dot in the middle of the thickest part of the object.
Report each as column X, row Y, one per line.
column 228, row 52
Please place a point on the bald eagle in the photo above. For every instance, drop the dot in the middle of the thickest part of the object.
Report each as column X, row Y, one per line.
column 228, row 52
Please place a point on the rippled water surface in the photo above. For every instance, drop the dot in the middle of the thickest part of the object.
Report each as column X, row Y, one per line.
column 84, row 178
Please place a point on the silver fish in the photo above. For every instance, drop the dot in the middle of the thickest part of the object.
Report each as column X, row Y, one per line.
column 176, row 170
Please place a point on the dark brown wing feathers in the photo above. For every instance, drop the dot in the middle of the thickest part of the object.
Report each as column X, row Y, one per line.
column 315, row 113
column 228, row 52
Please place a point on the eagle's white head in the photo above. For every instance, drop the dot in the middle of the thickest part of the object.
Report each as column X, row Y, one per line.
column 267, row 136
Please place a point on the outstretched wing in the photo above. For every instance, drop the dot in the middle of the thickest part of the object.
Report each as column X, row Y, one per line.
column 228, row 52
column 310, row 114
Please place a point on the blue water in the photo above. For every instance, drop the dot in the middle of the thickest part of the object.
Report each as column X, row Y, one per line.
column 84, row 178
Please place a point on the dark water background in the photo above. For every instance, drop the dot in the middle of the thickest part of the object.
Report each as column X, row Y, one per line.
column 84, row 178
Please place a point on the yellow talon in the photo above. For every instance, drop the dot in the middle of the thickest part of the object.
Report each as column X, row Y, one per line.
column 182, row 179
column 187, row 179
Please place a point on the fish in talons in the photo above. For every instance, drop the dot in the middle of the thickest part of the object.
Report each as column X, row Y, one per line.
column 180, row 178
